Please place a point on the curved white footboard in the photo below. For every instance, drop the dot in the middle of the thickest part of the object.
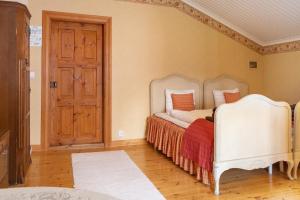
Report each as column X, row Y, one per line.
column 296, row 138
column 252, row 133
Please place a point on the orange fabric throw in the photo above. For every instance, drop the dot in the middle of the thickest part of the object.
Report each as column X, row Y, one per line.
column 198, row 143
column 183, row 102
column 232, row 97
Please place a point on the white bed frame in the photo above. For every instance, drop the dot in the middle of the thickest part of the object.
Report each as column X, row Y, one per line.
column 296, row 139
column 254, row 132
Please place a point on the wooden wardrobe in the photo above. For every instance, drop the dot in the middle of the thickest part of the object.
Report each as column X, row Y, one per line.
column 15, row 86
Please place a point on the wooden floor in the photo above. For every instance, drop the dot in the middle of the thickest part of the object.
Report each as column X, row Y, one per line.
column 54, row 169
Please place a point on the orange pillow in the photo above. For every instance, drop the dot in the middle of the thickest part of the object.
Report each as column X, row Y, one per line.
column 231, row 97
column 183, row 101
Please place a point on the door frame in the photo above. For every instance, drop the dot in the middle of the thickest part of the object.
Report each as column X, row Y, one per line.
column 48, row 17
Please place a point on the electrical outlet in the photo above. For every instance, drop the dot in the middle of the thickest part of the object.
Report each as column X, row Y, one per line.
column 121, row 133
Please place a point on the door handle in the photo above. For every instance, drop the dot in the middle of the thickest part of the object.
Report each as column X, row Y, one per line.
column 53, row 84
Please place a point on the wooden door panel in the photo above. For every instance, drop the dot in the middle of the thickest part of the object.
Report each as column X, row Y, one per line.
column 65, row 121
column 65, row 84
column 88, row 87
column 27, row 92
column 87, row 122
column 90, row 44
column 22, row 92
column 67, row 42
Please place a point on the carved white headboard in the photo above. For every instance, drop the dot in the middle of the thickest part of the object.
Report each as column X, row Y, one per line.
column 177, row 82
column 223, row 82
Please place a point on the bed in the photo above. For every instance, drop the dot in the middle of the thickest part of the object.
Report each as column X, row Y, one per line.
column 296, row 139
column 235, row 134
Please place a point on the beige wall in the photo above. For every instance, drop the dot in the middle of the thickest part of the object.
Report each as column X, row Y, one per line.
column 282, row 76
column 148, row 42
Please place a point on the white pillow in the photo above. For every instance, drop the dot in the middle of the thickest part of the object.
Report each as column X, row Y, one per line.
column 219, row 96
column 169, row 92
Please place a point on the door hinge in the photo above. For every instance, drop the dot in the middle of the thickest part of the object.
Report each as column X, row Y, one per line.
column 53, row 84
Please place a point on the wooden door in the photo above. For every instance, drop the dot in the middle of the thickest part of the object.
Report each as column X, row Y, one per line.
column 76, row 83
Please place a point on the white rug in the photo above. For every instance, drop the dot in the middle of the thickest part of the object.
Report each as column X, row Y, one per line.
column 112, row 173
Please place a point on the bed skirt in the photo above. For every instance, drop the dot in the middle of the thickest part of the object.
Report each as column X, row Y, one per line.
column 167, row 138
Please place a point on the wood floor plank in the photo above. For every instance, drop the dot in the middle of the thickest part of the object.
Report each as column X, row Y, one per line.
column 54, row 168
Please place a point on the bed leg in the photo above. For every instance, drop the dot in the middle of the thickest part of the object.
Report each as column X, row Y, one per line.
column 296, row 169
column 281, row 167
column 217, row 176
column 290, row 167
column 271, row 169
column 217, row 187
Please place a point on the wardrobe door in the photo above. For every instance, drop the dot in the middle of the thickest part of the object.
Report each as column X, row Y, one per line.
column 24, row 100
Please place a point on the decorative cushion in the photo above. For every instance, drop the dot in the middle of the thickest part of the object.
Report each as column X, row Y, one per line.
column 232, row 97
column 169, row 104
column 183, row 102
column 219, row 96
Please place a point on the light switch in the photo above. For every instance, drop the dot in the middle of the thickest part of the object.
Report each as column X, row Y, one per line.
column 32, row 75
column 121, row 133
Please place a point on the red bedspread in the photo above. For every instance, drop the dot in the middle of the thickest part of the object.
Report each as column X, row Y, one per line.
column 198, row 143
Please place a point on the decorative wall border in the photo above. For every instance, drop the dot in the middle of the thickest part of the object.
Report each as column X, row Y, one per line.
column 282, row 47
column 205, row 19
